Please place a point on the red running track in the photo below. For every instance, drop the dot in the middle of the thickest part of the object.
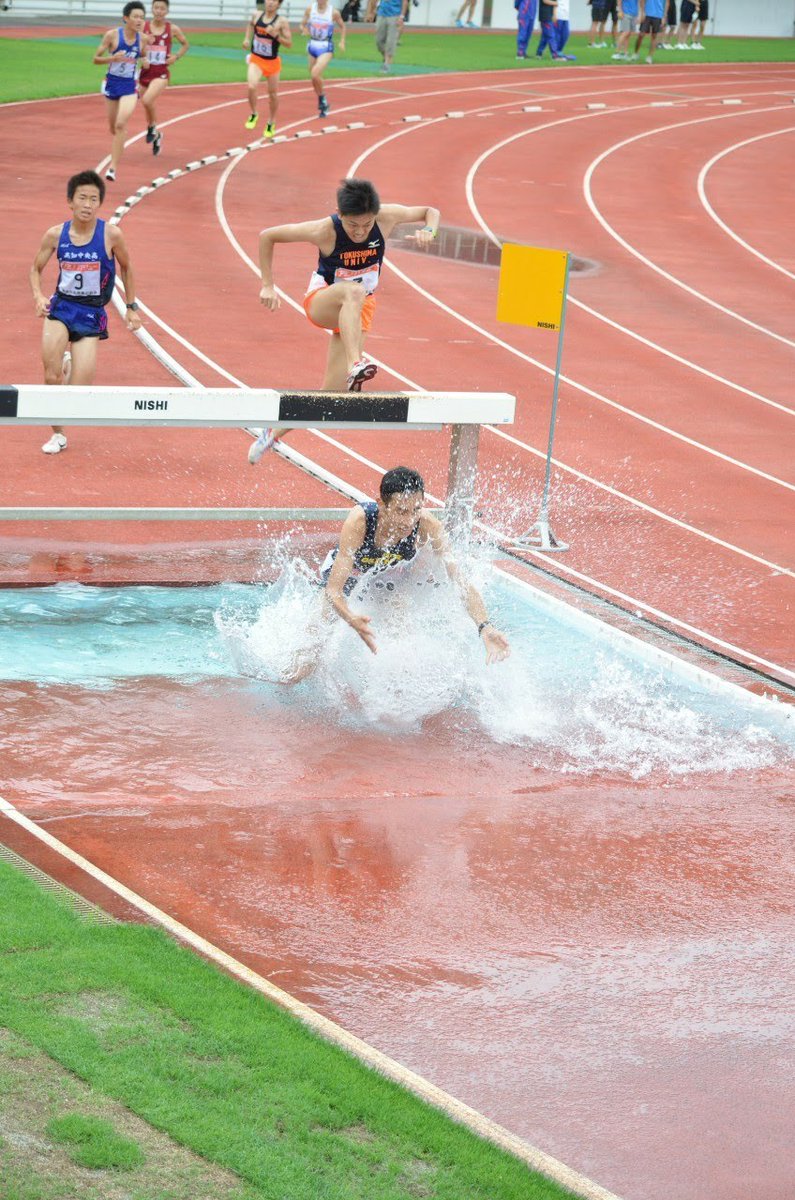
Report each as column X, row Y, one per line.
column 673, row 485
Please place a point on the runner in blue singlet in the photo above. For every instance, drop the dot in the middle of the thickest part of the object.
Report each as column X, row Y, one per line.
column 123, row 51
column 88, row 251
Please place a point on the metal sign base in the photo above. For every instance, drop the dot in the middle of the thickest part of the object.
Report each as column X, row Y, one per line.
column 539, row 537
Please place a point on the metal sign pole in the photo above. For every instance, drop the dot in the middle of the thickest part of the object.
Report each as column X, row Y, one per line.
column 540, row 536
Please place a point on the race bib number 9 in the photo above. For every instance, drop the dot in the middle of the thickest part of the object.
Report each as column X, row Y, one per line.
column 263, row 47
column 79, row 279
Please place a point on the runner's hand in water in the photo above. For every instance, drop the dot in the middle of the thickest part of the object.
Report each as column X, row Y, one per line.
column 361, row 625
column 496, row 643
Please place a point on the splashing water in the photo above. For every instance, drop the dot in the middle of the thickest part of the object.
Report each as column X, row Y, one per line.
column 573, row 701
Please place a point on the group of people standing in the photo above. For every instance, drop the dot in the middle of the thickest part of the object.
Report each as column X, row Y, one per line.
column 657, row 18
column 553, row 17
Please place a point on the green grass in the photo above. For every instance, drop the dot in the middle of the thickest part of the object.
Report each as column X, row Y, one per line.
column 222, row 1071
column 218, row 58
column 95, row 1144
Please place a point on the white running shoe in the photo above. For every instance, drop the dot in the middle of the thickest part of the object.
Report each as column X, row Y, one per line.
column 110, row 175
column 359, row 373
column 261, row 446
column 650, row 60
column 55, row 445
column 618, row 57
column 696, row 46
column 66, row 367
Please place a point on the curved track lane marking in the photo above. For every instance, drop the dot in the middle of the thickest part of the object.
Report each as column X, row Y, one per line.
column 580, row 387
column 642, row 257
column 539, row 453
column 637, row 604
column 592, row 311
column 702, row 195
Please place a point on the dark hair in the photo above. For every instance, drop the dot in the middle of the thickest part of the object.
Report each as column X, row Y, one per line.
column 131, row 7
column 85, row 179
column 357, row 198
column 162, row 2
column 399, row 481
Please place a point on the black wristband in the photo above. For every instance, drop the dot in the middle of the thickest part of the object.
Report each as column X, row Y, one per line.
column 482, row 626
column 134, row 306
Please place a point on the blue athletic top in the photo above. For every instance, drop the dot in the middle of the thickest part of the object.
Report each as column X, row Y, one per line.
column 370, row 557
column 655, row 8
column 321, row 30
column 128, row 68
column 359, row 262
column 87, row 272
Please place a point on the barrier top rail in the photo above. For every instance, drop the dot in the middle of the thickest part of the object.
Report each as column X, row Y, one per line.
column 38, row 404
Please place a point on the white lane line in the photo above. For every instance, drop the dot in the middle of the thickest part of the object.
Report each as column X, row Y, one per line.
column 587, row 580
column 469, row 187
column 221, row 215
column 589, row 199
column 702, row 195
column 326, row 1029
column 543, row 367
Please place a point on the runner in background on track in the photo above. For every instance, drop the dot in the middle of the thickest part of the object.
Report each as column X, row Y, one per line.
column 379, row 537
column 154, row 78
column 123, row 51
column 266, row 33
column 87, row 250
column 318, row 26
column 340, row 296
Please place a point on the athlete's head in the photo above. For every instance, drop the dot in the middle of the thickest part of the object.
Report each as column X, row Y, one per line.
column 403, row 495
column 85, row 192
column 357, row 205
column 160, row 9
column 134, row 11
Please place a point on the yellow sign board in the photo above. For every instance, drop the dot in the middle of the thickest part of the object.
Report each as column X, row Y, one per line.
column 532, row 286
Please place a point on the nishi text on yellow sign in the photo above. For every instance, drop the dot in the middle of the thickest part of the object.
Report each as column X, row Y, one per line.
column 532, row 286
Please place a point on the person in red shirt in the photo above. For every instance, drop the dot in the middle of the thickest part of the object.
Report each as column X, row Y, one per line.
column 154, row 78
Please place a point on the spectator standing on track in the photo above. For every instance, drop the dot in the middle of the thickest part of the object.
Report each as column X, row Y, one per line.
column 628, row 24
column 154, row 78
column 526, row 15
column 470, row 23
column 123, row 51
column 318, row 26
column 87, row 250
column 340, row 296
column 266, row 33
column 546, row 17
column 651, row 21
column 389, row 19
